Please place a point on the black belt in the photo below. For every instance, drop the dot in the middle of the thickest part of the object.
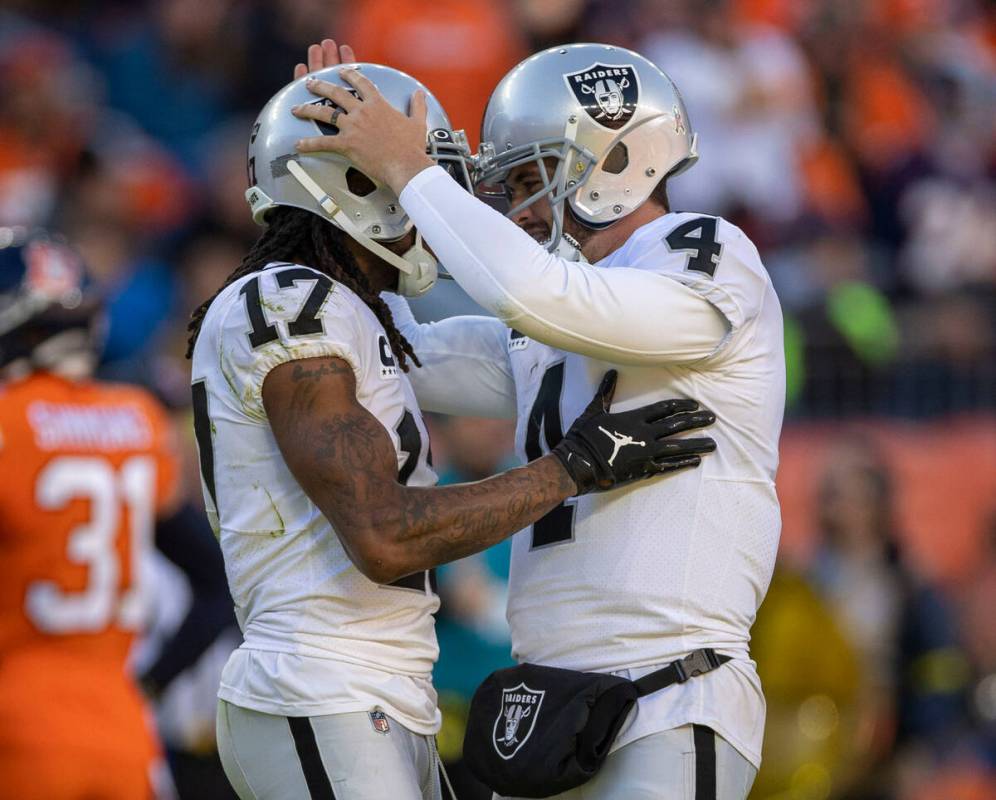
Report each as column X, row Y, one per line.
column 698, row 663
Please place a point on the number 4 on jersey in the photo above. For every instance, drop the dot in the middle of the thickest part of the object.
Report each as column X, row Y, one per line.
column 557, row 525
column 698, row 236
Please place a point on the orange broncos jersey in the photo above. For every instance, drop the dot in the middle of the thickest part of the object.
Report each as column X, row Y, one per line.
column 85, row 467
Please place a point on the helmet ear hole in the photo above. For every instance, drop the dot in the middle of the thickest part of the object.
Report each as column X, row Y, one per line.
column 616, row 160
column 359, row 184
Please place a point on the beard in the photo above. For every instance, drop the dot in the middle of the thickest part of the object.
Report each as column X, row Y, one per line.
column 575, row 231
column 540, row 231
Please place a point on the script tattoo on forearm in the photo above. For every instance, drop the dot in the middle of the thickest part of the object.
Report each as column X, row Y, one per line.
column 447, row 523
column 347, row 464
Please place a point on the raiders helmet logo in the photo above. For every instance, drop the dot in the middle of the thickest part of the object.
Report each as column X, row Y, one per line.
column 520, row 706
column 679, row 120
column 608, row 93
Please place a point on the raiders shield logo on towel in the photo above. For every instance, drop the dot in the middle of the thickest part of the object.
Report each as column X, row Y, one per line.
column 608, row 93
column 520, row 707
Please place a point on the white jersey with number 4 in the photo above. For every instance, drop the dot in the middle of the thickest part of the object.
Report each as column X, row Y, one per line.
column 631, row 579
column 320, row 638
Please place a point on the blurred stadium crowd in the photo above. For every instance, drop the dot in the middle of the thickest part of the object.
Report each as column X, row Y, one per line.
column 855, row 143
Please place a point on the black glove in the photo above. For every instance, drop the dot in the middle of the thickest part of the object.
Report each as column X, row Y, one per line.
column 602, row 451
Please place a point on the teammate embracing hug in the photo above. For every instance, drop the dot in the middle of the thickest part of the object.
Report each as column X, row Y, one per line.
column 317, row 475
column 591, row 269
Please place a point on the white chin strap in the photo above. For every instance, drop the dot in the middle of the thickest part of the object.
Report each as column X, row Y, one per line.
column 417, row 266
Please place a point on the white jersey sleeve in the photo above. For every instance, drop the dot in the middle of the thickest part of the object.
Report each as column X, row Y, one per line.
column 294, row 313
column 623, row 315
column 465, row 367
column 709, row 255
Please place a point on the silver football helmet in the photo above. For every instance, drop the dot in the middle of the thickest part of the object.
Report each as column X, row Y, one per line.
column 327, row 184
column 612, row 123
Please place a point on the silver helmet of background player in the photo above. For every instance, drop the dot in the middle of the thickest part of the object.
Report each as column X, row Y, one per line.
column 327, row 184
column 603, row 123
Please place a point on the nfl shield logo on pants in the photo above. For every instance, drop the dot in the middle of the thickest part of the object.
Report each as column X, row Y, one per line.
column 516, row 719
column 380, row 722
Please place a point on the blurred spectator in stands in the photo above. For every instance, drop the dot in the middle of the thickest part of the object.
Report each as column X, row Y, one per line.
column 978, row 599
column 914, row 674
column 843, row 334
column 163, row 65
column 749, row 94
column 811, row 676
column 222, row 159
column 546, row 23
column 49, row 100
column 126, row 197
column 459, row 50
column 206, row 257
column 951, row 239
column 278, row 33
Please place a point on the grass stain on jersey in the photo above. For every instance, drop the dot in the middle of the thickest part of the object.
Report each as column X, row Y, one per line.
column 283, row 525
column 228, row 378
column 248, row 395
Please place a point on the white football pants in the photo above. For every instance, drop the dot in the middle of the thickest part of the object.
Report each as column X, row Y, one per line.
column 339, row 756
column 687, row 763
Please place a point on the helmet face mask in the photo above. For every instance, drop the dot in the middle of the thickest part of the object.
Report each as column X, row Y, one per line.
column 570, row 168
column 327, row 184
column 612, row 121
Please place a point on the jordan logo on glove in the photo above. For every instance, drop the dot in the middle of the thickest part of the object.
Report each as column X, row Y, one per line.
column 620, row 441
column 586, row 457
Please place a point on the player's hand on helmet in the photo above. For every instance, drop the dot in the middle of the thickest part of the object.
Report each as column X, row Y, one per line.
column 384, row 143
column 325, row 54
column 603, row 450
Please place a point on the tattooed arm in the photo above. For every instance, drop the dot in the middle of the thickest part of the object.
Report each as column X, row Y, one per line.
column 344, row 460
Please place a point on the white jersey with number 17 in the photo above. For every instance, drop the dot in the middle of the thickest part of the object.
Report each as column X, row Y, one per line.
column 320, row 638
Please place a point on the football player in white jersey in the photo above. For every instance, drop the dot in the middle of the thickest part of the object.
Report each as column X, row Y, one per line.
column 316, row 472
column 582, row 140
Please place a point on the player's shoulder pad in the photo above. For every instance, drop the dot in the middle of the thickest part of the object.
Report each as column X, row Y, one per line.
column 719, row 261
column 283, row 313
column 287, row 303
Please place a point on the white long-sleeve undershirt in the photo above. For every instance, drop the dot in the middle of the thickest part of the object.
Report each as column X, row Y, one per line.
column 620, row 314
column 465, row 369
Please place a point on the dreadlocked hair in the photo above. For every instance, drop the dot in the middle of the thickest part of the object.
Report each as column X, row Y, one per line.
column 305, row 238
